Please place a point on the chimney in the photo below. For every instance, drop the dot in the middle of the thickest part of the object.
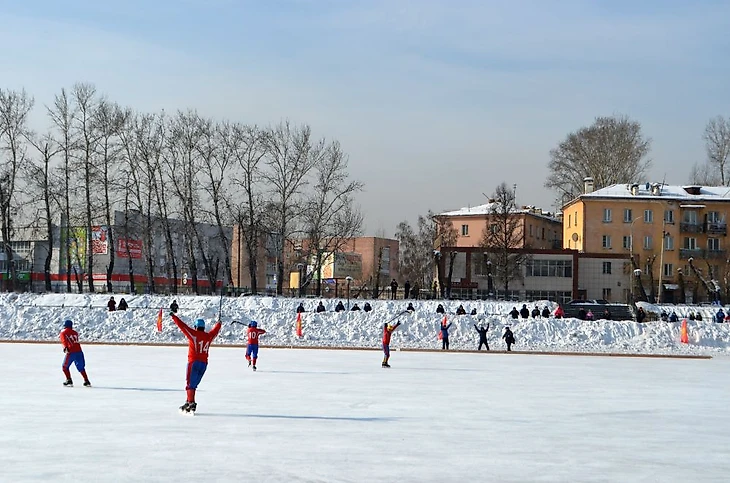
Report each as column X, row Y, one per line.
column 656, row 189
column 634, row 189
column 587, row 185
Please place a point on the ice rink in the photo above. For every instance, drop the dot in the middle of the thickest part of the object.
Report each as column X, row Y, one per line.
column 324, row 416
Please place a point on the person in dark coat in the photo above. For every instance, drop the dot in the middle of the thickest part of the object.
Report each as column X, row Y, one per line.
column 524, row 311
column 407, row 289
column 415, row 291
column 445, row 336
column 301, row 308
column 606, row 314
column 698, row 316
column 410, row 307
column 367, row 307
column 122, row 304
column 111, row 305
column 482, row 336
column 545, row 312
column 440, row 309
column 393, row 289
column 691, row 316
column 320, row 307
column 582, row 313
column 460, row 310
column 514, row 313
column 535, row 312
column 340, row 306
column 474, row 311
column 509, row 338
column 640, row 315
column 719, row 316
column 673, row 317
column 174, row 307
column 355, row 307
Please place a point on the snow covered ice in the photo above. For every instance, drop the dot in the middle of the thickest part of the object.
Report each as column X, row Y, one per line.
column 336, row 415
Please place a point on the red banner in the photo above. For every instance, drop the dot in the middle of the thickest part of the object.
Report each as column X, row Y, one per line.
column 129, row 247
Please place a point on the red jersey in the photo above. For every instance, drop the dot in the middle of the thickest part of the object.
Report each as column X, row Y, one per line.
column 70, row 340
column 253, row 335
column 198, row 340
column 388, row 331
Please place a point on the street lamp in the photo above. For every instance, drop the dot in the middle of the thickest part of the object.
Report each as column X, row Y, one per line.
column 300, row 266
column 490, row 282
column 635, row 282
column 349, row 280
column 661, row 262
column 437, row 258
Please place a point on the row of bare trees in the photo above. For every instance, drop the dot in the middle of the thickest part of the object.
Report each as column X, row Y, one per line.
column 98, row 158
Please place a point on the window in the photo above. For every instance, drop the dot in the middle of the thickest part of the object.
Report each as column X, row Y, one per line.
column 607, row 268
column 493, row 228
column 607, row 294
column 530, row 230
column 669, row 216
column 647, row 242
column 627, row 243
column 607, row 215
column 543, row 233
column 464, row 230
column 648, row 216
column 569, row 217
column 576, row 218
column 628, row 216
column 713, row 244
column 690, row 217
column 668, row 269
column 606, row 241
column 690, row 243
column 713, row 217
column 669, row 243
column 549, row 268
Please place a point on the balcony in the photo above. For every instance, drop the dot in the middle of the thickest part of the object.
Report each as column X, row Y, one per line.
column 686, row 227
column 687, row 253
column 716, row 228
column 715, row 254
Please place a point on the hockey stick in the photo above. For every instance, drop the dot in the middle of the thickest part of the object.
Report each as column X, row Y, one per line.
column 237, row 322
column 399, row 314
column 220, row 305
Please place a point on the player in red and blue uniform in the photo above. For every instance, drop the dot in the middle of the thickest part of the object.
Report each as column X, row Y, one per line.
column 387, row 332
column 198, row 345
column 252, row 349
column 74, row 354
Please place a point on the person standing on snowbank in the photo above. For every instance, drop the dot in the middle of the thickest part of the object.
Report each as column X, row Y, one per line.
column 74, row 355
column 198, row 345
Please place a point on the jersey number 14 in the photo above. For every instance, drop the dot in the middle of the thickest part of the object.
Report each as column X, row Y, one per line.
column 203, row 346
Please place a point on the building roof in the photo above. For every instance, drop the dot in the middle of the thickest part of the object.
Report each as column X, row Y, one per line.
column 666, row 192
column 486, row 209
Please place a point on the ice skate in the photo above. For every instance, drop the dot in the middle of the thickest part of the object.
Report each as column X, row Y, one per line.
column 249, row 363
column 68, row 383
column 254, row 368
column 192, row 407
column 185, row 408
column 87, row 383
column 385, row 364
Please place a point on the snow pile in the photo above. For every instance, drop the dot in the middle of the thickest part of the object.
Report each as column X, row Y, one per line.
column 31, row 317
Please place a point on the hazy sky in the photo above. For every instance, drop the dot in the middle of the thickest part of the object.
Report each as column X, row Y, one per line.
column 435, row 101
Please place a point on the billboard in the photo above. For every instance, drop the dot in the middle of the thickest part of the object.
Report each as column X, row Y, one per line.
column 341, row 265
column 99, row 240
column 129, row 247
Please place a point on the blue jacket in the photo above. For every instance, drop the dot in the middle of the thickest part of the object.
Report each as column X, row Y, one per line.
column 720, row 316
column 445, row 331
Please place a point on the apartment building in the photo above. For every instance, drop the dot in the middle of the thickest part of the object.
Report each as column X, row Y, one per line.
column 661, row 226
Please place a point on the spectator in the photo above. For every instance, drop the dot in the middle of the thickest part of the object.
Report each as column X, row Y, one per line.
column 727, row 317
column 367, row 307
column 174, row 307
column 514, row 313
column 545, row 312
column 664, row 316
column 640, row 315
column 535, row 313
column 122, row 304
column 482, row 336
column 393, row 289
column 440, row 309
column 559, row 313
column 606, row 314
column 673, row 317
column 355, row 307
column 460, row 310
column 406, row 289
column 435, row 288
column 719, row 316
column 340, row 306
column 111, row 305
column 698, row 316
column 589, row 315
column 445, row 336
column 320, row 307
column 509, row 338
column 410, row 307
column 582, row 313
column 474, row 311
column 415, row 291
column 301, row 308
column 524, row 311
column 691, row 316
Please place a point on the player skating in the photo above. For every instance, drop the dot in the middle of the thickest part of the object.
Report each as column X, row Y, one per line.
column 252, row 348
column 387, row 332
column 198, row 345
column 74, row 354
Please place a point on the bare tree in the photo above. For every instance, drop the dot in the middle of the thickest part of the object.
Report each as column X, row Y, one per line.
column 290, row 157
column 14, row 109
column 503, row 236
column 611, row 150
column 704, row 174
column 717, row 144
column 446, row 236
column 417, row 249
column 330, row 217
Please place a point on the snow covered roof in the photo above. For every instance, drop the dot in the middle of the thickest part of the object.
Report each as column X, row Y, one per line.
column 487, row 208
column 674, row 192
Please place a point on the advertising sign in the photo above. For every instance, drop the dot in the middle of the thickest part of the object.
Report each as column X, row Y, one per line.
column 129, row 247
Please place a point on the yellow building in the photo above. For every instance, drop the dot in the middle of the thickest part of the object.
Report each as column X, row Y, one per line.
column 661, row 226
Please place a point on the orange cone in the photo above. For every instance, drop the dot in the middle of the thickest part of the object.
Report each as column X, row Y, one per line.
column 299, row 325
column 683, row 337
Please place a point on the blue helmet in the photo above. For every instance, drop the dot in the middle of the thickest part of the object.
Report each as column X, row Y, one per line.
column 68, row 324
column 253, row 323
column 200, row 324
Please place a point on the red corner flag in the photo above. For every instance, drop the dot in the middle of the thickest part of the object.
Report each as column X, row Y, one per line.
column 299, row 325
column 159, row 321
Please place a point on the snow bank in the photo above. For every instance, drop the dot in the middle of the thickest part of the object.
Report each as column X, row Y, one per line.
column 31, row 317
